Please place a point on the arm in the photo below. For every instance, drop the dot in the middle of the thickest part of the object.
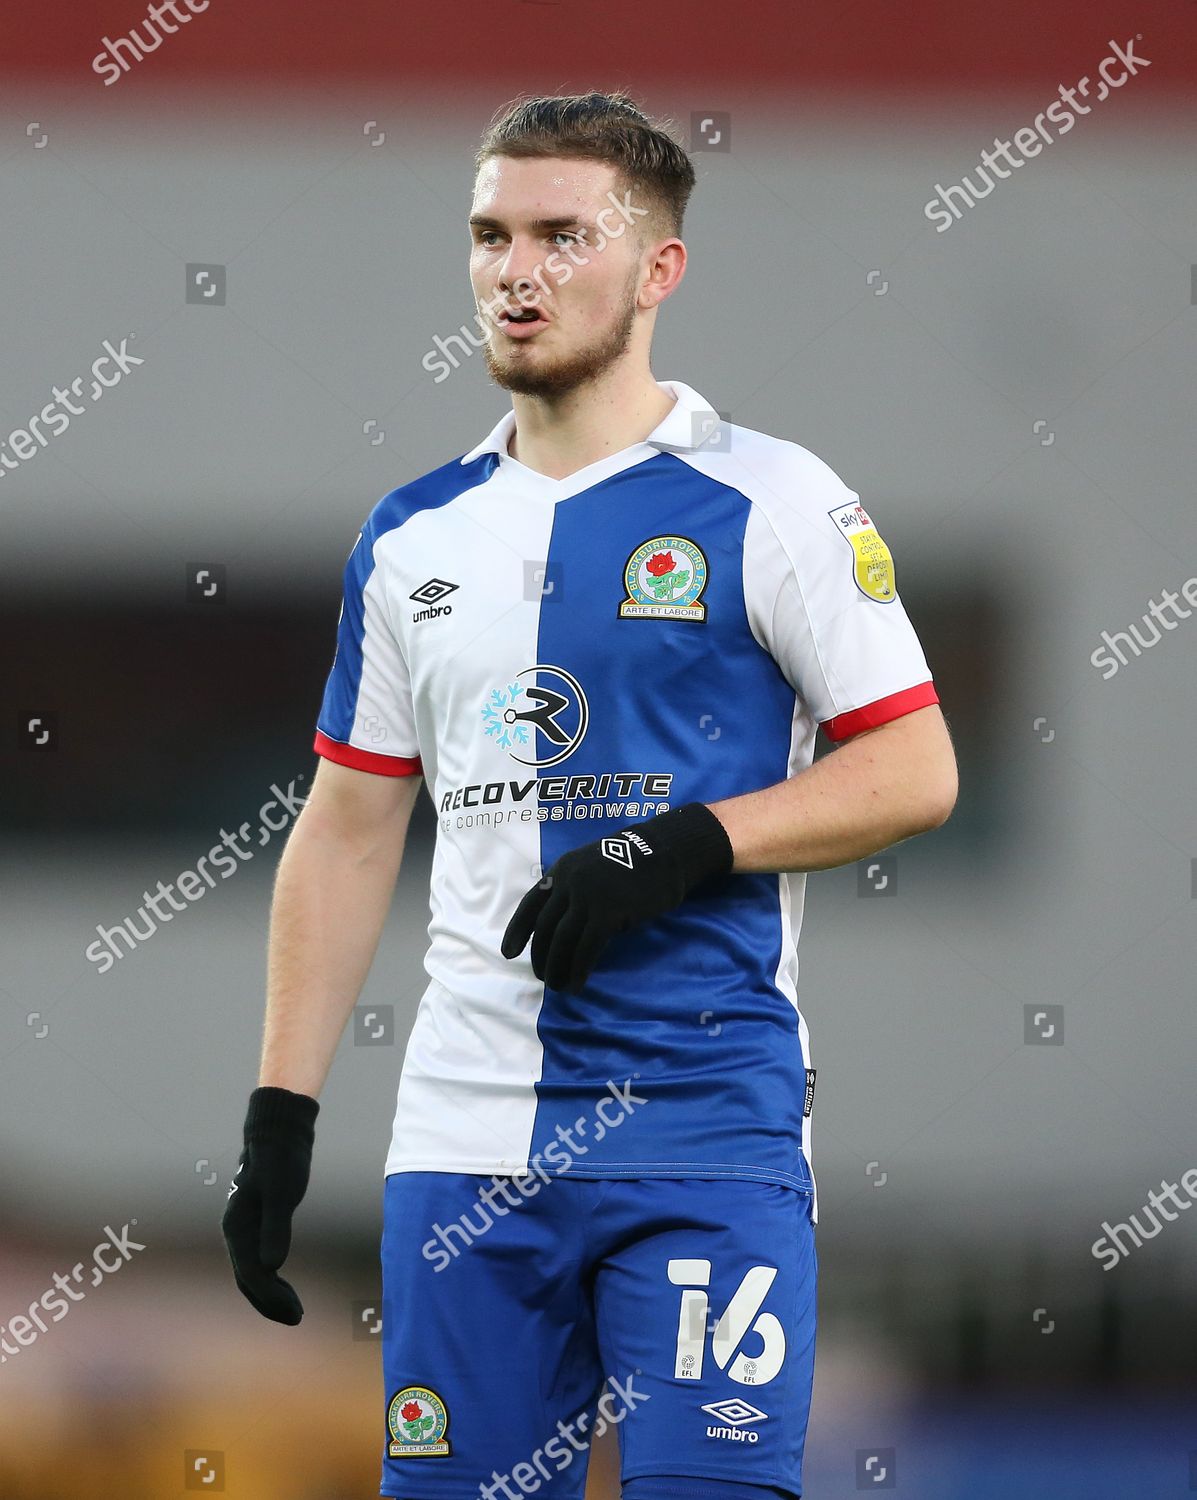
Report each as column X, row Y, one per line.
column 331, row 895
column 882, row 786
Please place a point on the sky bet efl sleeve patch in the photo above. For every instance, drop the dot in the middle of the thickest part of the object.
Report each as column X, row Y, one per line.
column 872, row 564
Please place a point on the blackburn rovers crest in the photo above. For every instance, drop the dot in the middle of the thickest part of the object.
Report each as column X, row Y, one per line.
column 664, row 579
column 417, row 1420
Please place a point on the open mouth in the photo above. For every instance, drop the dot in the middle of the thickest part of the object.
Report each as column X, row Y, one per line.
column 524, row 320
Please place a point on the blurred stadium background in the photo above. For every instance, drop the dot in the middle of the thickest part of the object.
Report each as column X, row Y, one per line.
column 1012, row 398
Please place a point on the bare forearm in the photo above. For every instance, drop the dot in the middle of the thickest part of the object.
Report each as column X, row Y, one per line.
column 881, row 787
column 331, row 898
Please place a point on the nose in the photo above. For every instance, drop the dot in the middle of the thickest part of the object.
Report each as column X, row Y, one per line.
column 516, row 274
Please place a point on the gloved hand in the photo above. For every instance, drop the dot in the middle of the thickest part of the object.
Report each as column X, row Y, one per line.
column 269, row 1184
column 606, row 886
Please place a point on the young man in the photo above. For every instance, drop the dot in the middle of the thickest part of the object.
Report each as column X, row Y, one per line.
column 605, row 638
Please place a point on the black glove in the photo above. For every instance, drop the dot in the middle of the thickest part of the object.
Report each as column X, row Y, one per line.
column 604, row 887
column 269, row 1184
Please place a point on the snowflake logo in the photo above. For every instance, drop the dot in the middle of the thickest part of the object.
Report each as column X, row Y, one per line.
column 495, row 719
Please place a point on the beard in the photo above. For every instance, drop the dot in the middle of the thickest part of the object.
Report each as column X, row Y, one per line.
column 557, row 377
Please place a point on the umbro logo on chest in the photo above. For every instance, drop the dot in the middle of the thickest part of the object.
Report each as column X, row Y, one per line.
column 429, row 594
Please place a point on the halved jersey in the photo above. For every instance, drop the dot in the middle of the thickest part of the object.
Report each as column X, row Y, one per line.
column 559, row 659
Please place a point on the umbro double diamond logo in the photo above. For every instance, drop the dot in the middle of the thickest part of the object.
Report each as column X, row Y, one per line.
column 619, row 850
column 735, row 1412
column 428, row 594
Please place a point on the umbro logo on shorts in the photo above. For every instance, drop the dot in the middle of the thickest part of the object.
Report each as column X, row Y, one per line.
column 735, row 1414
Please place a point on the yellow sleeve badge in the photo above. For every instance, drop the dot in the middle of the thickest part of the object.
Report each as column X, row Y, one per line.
column 872, row 564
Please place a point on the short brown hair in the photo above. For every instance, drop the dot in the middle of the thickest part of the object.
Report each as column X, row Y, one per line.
column 602, row 127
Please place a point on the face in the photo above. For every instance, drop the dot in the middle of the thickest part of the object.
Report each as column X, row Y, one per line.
column 547, row 239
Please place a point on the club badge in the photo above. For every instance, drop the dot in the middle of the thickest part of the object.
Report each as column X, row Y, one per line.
column 664, row 579
column 417, row 1420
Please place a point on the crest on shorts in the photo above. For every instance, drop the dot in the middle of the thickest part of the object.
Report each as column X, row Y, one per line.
column 872, row 565
column 417, row 1420
column 663, row 579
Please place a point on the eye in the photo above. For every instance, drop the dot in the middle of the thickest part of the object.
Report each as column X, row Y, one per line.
column 567, row 234
column 485, row 236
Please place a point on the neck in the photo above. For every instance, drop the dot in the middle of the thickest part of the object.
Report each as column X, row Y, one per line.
column 559, row 435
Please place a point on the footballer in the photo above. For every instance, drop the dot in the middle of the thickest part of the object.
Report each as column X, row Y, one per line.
column 604, row 638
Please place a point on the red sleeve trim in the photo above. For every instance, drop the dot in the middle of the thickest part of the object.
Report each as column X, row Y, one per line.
column 873, row 715
column 367, row 760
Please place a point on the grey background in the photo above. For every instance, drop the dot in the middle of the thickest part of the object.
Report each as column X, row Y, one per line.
column 963, row 1173
column 1063, row 298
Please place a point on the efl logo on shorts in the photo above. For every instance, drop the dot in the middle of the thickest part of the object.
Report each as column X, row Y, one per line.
column 743, row 1313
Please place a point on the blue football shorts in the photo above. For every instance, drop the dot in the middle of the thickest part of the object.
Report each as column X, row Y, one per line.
column 522, row 1317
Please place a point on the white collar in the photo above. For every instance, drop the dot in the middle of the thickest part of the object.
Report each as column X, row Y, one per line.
column 679, row 430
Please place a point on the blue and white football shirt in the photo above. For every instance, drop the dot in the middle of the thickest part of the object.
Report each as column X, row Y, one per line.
column 562, row 657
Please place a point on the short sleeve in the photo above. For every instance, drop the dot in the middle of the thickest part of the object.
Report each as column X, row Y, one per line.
column 367, row 719
column 828, row 609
